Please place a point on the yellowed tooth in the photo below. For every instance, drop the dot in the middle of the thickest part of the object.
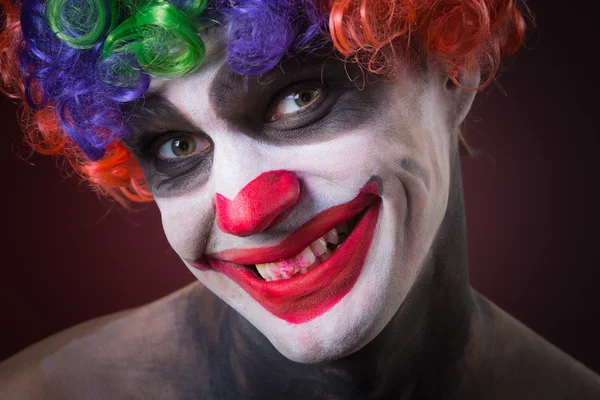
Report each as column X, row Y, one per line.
column 319, row 246
column 317, row 262
column 273, row 271
column 332, row 236
column 263, row 271
column 306, row 258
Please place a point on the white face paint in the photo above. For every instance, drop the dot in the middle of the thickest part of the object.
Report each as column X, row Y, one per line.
column 401, row 132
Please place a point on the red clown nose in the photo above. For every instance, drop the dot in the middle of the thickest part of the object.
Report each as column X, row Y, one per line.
column 262, row 203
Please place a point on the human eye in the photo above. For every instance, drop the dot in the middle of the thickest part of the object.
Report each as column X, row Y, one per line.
column 295, row 101
column 182, row 146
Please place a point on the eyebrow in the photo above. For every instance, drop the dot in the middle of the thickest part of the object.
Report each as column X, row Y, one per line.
column 157, row 103
column 154, row 107
column 152, row 103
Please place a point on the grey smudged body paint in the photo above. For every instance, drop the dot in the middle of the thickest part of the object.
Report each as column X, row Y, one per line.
column 445, row 342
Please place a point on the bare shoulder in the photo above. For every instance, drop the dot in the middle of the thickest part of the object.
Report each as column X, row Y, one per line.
column 129, row 353
column 516, row 363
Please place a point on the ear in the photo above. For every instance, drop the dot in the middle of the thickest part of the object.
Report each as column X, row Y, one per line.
column 460, row 96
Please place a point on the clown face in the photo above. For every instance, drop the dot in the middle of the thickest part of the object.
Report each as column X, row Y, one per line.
column 308, row 198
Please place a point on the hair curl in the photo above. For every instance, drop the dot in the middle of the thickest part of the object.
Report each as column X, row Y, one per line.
column 75, row 64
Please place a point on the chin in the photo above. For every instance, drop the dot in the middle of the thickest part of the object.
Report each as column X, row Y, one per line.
column 344, row 330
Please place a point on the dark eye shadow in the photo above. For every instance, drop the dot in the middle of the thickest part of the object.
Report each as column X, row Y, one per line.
column 153, row 121
column 344, row 111
column 178, row 177
column 243, row 102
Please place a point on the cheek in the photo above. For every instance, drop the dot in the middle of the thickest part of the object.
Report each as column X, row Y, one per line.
column 187, row 222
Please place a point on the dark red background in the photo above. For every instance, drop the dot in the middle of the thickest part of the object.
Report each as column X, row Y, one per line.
column 531, row 198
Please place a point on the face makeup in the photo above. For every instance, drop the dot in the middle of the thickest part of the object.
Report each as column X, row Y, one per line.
column 316, row 202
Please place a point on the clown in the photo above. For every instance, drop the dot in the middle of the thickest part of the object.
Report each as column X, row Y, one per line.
column 305, row 159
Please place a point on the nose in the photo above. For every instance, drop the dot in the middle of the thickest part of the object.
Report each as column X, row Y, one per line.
column 265, row 201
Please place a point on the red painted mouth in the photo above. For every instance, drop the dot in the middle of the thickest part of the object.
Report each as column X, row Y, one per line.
column 305, row 297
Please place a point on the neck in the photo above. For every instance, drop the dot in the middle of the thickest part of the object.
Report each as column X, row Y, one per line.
column 415, row 356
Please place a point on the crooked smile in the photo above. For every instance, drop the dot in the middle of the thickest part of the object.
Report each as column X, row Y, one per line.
column 311, row 270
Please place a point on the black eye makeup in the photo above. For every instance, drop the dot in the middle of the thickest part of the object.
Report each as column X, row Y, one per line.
column 174, row 162
column 298, row 105
column 294, row 101
column 313, row 111
column 279, row 104
column 173, row 153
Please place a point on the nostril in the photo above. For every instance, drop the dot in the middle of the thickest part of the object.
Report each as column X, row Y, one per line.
column 262, row 203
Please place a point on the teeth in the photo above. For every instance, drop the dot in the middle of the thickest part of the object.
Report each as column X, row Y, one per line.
column 309, row 258
column 306, row 258
column 269, row 271
column 319, row 246
column 262, row 271
column 305, row 270
column 273, row 271
column 287, row 268
column 332, row 236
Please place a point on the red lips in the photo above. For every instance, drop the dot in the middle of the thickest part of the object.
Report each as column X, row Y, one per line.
column 305, row 297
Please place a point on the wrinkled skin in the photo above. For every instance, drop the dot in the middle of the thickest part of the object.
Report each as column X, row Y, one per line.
column 410, row 327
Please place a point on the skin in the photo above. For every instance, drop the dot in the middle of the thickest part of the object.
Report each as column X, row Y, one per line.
column 411, row 327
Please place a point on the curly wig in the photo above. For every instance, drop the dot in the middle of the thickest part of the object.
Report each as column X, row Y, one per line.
column 74, row 65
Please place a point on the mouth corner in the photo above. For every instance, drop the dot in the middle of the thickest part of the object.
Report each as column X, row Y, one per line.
column 200, row 264
column 373, row 186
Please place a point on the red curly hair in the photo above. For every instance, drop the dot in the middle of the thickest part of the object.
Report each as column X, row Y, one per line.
column 461, row 35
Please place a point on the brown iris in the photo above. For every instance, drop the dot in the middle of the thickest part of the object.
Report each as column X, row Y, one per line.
column 293, row 102
column 183, row 146
column 303, row 99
